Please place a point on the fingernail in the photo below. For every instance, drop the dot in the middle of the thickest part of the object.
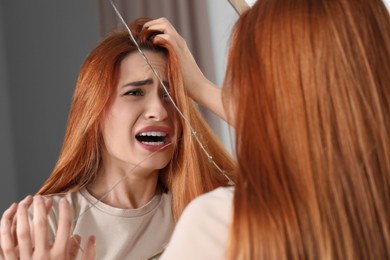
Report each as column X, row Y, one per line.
column 64, row 201
column 27, row 197
column 38, row 198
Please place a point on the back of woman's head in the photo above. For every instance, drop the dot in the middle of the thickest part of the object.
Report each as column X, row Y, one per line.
column 310, row 81
column 187, row 175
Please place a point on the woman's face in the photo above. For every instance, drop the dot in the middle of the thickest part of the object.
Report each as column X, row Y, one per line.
column 139, row 120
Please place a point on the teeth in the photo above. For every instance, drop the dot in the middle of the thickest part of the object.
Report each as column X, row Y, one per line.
column 154, row 143
column 153, row 134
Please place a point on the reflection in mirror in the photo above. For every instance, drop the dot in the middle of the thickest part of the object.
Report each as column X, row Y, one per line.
column 41, row 80
column 41, row 52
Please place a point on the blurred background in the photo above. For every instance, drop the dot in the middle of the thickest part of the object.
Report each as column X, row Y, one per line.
column 42, row 46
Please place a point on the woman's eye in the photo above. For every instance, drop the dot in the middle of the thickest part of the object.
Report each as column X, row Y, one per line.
column 134, row 92
column 166, row 94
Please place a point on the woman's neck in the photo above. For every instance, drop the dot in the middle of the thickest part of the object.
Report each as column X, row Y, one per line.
column 122, row 189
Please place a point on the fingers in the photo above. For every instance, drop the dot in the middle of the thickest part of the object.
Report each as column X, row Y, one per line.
column 64, row 229
column 90, row 249
column 73, row 246
column 161, row 24
column 27, row 201
column 7, row 241
column 23, row 229
column 168, row 33
column 31, row 240
column 195, row 82
column 1, row 254
column 40, row 227
column 162, row 39
column 48, row 205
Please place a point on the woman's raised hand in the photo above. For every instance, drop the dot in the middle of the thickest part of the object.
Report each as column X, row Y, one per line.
column 197, row 85
column 22, row 240
column 194, row 79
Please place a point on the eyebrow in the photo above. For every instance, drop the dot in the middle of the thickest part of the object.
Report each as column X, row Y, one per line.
column 143, row 82
column 139, row 83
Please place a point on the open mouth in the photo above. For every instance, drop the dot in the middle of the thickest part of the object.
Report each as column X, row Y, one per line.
column 152, row 138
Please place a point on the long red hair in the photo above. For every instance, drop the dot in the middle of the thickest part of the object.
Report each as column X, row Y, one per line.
column 188, row 174
column 308, row 82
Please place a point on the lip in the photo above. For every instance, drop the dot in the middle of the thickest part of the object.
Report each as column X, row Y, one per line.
column 154, row 148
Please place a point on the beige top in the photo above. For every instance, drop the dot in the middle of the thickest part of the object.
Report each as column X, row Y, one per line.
column 202, row 231
column 120, row 233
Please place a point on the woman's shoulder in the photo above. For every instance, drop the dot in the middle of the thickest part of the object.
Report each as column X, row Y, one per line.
column 204, row 224
column 75, row 199
column 70, row 196
column 219, row 197
column 220, row 193
column 214, row 206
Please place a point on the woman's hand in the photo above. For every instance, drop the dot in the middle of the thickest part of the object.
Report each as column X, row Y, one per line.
column 22, row 240
column 197, row 85
column 194, row 79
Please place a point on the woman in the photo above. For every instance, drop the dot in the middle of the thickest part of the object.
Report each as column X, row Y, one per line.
column 129, row 164
column 307, row 91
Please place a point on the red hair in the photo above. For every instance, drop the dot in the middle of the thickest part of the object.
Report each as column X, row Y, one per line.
column 309, row 81
column 188, row 174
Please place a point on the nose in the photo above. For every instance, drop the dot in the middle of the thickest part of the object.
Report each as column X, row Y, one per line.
column 156, row 108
